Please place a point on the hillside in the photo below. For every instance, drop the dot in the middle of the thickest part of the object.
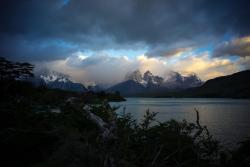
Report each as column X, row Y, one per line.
column 128, row 88
column 236, row 85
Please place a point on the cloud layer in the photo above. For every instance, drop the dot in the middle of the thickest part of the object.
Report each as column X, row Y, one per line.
column 57, row 28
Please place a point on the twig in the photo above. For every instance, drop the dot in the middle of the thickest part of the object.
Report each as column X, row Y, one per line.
column 157, row 155
column 197, row 117
column 198, row 124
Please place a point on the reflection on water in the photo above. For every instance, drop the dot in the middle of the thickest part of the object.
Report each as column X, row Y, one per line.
column 227, row 119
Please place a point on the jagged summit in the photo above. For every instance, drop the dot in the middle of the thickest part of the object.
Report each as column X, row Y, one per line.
column 171, row 80
column 187, row 80
column 151, row 79
column 146, row 79
column 135, row 82
column 147, row 75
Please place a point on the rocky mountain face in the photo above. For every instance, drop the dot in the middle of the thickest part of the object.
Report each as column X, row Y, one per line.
column 175, row 80
column 146, row 80
column 151, row 80
column 137, row 84
column 56, row 80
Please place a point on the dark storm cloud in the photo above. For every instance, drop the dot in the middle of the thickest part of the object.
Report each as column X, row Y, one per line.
column 19, row 48
column 27, row 25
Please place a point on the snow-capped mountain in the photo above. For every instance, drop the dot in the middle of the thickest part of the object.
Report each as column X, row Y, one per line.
column 53, row 76
column 147, row 80
column 135, row 83
column 171, row 80
column 56, row 80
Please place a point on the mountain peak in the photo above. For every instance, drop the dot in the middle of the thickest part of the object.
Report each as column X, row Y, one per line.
column 183, row 81
column 148, row 74
column 53, row 76
column 57, row 80
column 135, row 76
column 148, row 79
column 152, row 79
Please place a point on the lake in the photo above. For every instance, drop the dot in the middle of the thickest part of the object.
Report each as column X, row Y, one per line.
column 227, row 119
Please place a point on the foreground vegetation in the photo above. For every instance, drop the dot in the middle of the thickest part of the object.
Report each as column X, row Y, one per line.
column 43, row 127
column 40, row 127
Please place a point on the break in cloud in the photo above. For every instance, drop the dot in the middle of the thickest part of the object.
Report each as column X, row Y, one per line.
column 169, row 34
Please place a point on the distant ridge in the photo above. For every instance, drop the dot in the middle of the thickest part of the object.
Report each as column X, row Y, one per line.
column 236, row 85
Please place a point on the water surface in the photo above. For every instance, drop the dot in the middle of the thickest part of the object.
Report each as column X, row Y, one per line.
column 227, row 119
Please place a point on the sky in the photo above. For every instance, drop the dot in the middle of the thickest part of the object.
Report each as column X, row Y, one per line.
column 102, row 40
